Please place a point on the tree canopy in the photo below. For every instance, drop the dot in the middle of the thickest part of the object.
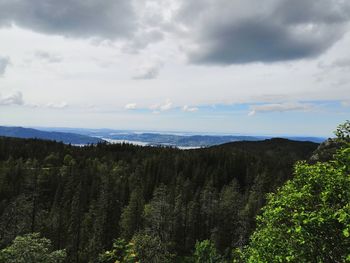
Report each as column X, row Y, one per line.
column 161, row 200
column 308, row 219
column 31, row 248
column 123, row 203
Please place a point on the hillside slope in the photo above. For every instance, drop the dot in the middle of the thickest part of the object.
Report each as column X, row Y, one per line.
column 72, row 138
column 84, row 197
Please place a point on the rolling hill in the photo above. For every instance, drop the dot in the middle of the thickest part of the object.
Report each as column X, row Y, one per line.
column 65, row 137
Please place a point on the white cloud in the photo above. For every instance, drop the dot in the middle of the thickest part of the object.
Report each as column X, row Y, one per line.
column 280, row 107
column 48, row 57
column 142, row 39
column 15, row 98
column 167, row 105
column 4, row 62
column 148, row 71
column 189, row 109
column 345, row 103
column 60, row 105
column 130, row 106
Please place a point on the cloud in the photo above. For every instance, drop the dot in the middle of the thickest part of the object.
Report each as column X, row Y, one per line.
column 235, row 32
column 142, row 39
column 167, row 105
column 342, row 63
column 60, row 105
column 150, row 71
column 345, row 103
column 72, row 18
column 130, row 106
column 153, row 24
column 189, row 109
column 4, row 62
column 48, row 57
column 279, row 107
column 15, row 98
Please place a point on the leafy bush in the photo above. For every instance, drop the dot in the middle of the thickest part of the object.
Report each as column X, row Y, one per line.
column 151, row 249
column 31, row 248
column 205, row 252
column 122, row 252
column 308, row 219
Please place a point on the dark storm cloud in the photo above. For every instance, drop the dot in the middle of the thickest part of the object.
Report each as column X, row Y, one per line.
column 235, row 32
column 311, row 11
column 73, row 18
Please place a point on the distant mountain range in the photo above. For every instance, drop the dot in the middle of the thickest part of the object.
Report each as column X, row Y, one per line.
column 193, row 140
column 181, row 140
column 91, row 136
column 65, row 137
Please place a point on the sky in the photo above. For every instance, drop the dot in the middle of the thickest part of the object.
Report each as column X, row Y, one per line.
column 271, row 67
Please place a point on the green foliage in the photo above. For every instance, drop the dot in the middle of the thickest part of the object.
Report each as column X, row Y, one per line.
column 205, row 252
column 308, row 219
column 343, row 131
column 142, row 248
column 122, row 252
column 158, row 215
column 31, row 248
column 84, row 197
column 131, row 218
column 151, row 249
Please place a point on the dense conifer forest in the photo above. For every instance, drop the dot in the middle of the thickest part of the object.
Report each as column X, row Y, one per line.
column 174, row 131
column 167, row 202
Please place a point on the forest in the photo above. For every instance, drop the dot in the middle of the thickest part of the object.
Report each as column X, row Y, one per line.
column 124, row 203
